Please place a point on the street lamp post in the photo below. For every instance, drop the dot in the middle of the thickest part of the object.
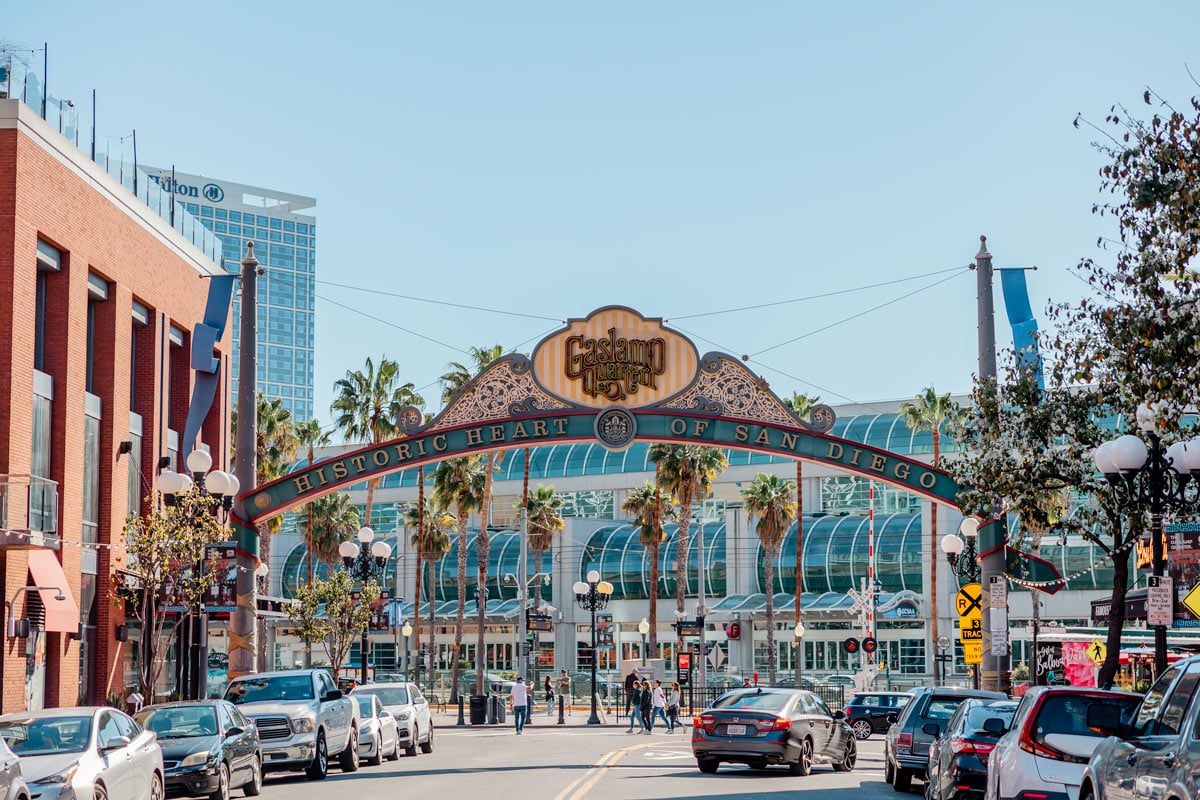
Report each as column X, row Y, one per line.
column 799, row 634
column 406, row 632
column 365, row 561
column 644, row 630
column 1157, row 479
column 593, row 596
column 963, row 559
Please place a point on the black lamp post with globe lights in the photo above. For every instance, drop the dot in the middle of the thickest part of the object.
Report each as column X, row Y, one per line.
column 960, row 551
column 593, row 596
column 365, row 561
column 1155, row 478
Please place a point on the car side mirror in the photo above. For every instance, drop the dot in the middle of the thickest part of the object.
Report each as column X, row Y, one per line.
column 421, row 700
column 332, row 694
column 235, row 731
column 115, row 743
column 383, row 712
column 839, row 714
column 994, row 726
column 931, row 728
column 1105, row 719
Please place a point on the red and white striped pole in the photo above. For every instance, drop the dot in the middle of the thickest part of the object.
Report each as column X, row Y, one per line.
column 871, row 559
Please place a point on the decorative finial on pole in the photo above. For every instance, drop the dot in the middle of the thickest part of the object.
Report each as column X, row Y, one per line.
column 249, row 260
column 983, row 251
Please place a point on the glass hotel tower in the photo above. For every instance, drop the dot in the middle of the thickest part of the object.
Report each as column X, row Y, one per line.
column 284, row 231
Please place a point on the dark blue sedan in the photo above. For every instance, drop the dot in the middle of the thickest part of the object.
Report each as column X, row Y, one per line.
column 208, row 748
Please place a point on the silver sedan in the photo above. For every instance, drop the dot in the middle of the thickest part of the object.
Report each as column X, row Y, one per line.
column 377, row 735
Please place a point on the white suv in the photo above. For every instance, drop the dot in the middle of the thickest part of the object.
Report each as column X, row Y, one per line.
column 1043, row 755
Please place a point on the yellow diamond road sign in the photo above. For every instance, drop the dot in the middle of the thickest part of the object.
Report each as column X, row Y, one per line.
column 1192, row 601
column 969, row 600
column 1097, row 651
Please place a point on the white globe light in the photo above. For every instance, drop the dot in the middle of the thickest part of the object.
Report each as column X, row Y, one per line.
column 217, row 482
column 644, row 627
column 185, row 482
column 381, row 549
column 952, row 545
column 406, row 630
column 579, row 587
column 604, row 587
column 593, row 576
column 199, row 461
column 169, row 482
column 365, row 534
column 347, row 549
column 1128, row 453
column 969, row 527
column 1175, row 457
column 799, row 631
column 1102, row 456
column 262, row 570
column 235, row 485
column 1191, row 454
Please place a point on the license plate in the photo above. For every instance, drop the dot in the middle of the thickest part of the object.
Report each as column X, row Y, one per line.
column 735, row 730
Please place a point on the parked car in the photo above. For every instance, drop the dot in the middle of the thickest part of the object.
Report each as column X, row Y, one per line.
column 1156, row 756
column 839, row 680
column 12, row 784
column 1049, row 742
column 377, row 737
column 958, row 757
column 208, row 748
column 906, row 746
column 85, row 752
column 302, row 720
column 410, row 710
column 762, row 727
column 874, row 712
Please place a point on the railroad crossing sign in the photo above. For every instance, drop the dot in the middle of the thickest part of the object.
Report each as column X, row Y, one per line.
column 862, row 602
column 969, row 600
column 1097, row 651
column 1192, row 601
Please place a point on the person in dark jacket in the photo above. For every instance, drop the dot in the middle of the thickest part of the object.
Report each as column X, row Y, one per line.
column 646, row 703
column 635, row 703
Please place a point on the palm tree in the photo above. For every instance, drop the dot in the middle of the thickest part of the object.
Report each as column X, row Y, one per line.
column 543, row 516
column 431, row 519
column 310, row 436
column 453, row 382
column 770, row 499
column 459, row 482
column 801, row 405
column 929, row 413
column 329, row 521
column 368, row 407
column 650, row 510
column 687, row 471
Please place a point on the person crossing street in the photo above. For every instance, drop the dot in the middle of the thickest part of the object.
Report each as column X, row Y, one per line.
column 520, row 704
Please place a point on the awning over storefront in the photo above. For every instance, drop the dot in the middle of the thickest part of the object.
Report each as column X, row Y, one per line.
column 62, row 616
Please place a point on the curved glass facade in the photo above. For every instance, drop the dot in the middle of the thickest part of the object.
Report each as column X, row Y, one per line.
column 836, row 552
column 620, row 558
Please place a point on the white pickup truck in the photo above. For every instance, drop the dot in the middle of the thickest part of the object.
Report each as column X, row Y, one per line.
column 302, row 720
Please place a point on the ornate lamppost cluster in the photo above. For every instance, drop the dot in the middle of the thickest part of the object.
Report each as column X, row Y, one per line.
column 593, row 596
column 1154, row 478
column 365, row 561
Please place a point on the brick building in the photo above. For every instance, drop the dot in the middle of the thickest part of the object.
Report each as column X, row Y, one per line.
column 98, row 299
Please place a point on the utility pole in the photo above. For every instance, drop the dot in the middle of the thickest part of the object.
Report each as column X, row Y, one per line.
column 523, row 594
column 243, row 650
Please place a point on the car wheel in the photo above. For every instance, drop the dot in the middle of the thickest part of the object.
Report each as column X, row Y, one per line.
column 156, row 787
column 348, row 760
column 319, row 768
column 803, row 764
column 427, row 745
column 862, row 729
column 253, row 787
column 707, row 765
column 222, row 792
column 889, row 774
column 849, row 757
column 99, row 792
column 411, row 750
column 395, row 754
column 902, row 781
column 377, row 759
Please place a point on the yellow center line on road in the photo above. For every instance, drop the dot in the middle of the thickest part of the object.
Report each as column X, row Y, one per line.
column 579, row 787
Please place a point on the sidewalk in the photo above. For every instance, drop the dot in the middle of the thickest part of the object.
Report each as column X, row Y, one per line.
column 573, row 718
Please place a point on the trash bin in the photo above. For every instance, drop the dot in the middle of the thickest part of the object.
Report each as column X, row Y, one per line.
column 479, row 709
column 499, row 708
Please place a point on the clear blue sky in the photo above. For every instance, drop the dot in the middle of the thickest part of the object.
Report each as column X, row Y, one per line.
column 686, row 157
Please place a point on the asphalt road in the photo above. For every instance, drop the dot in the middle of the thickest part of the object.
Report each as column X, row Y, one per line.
column 573, row 763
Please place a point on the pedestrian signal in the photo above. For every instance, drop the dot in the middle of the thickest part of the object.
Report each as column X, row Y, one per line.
column 869, row 645
column 850, row 645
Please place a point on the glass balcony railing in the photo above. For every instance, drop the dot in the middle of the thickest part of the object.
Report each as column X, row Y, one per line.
column 37, row 497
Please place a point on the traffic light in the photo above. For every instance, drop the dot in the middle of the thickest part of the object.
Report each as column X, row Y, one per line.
column 869, row 645
column 850, row 645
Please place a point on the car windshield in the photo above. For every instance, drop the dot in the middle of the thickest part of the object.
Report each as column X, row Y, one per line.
column 260, row 690
column 389, row 696
column 764, row 701
column 942, row 708
column 979, row 714
column 48, row 735
column 365, row 706
column 1067, row 713
column 179, row 722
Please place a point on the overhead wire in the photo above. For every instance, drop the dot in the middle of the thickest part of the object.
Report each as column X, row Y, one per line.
column 376, row 291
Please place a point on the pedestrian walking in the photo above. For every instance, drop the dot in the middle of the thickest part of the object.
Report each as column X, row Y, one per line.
column 630, row 686
column 646, row 705
column 520, row 704
column 549, row 689
column 564, row 689
column 674, row 697
column 658, row 700
column 635, row 703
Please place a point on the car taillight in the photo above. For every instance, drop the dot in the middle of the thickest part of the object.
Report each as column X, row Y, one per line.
column 777, row 724
column 967, row 747
column 904, row 740
column 847, row 711
column 704, row 723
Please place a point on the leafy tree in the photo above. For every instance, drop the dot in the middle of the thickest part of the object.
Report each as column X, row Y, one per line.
column 770, row 499
column 331, row 611
column 802, row 406
column 454, row 382
column 165, row 548
column 459, row 482
column 650, row 509
column 369, row 405
column 687, row 471
column 930, row 412
column 543, row 514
